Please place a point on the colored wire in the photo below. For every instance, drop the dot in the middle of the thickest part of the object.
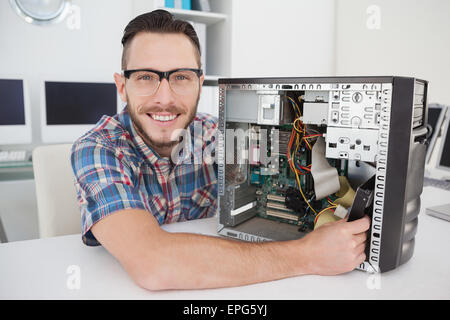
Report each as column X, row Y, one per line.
column 295, row 105
column 309, row 137
column 321, row 212
column 307, row 144
column 291, row 156
column 295, row 134
column 312, row 136
column 331, row 202
column 300, row 186
column 295, row 127
column 301, row 191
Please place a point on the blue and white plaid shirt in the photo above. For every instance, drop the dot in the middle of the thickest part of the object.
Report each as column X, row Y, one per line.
column 115, row 170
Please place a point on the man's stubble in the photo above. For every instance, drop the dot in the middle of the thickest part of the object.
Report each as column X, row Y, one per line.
column 147, row 138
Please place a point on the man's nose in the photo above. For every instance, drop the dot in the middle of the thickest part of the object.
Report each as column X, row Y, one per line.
column 164, row 94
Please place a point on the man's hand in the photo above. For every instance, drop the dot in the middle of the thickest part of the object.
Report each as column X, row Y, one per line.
column 335, row 247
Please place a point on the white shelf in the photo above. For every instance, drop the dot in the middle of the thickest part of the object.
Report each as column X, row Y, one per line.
column 212, row 77
column 208, row 18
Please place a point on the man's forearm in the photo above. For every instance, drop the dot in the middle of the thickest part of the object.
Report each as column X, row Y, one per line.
column 156, row 259
column 188, row 261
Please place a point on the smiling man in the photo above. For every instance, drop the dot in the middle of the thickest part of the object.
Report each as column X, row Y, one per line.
column 175, row 105
column 128, row 185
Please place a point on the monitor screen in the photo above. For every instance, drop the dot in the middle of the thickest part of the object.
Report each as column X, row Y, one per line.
column 436, row 115
column 444, row 161
column 433, row 117
column 12, row 104
column 79, row 103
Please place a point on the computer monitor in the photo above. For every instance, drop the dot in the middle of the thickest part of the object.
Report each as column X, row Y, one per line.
column 436, row 115
column 444, row 153
column 15, row 123
column 70, row 109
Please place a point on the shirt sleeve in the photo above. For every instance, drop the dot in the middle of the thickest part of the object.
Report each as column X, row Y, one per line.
column 104, row 184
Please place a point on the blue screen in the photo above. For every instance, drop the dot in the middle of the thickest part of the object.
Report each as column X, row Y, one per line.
column 433, row 117
column 12, row 107
column 79, row 103
column 445, row 157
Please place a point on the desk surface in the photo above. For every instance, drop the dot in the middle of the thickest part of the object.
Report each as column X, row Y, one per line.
column 37, row 269
column 16, row 171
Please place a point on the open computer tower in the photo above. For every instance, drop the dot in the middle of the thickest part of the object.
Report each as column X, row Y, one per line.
column 296, row 151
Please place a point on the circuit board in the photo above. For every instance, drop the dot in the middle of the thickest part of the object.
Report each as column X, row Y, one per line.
column 278, row 195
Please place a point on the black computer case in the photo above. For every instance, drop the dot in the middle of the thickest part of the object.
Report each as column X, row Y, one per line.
column 398, row 165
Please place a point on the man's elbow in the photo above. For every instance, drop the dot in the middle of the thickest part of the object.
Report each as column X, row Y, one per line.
column 152, row 280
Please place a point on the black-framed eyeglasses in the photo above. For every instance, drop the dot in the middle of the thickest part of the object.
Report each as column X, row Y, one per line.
column 145, row 82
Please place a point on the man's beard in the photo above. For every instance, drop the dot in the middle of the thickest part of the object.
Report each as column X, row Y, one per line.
column 148, row 139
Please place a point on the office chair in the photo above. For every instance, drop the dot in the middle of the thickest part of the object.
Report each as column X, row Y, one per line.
column 58, row 211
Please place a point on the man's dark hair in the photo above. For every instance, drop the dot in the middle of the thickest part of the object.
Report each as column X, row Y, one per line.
column 158, row 21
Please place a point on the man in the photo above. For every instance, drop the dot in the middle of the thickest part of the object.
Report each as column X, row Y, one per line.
column 128, row 185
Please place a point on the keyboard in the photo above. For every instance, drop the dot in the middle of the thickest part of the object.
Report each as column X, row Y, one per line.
column 437, row 183
column 442, row 212
column 13, row 156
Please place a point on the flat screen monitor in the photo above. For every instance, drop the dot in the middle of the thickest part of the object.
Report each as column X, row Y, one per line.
column 15, row 123
column 70, row 109
column 436, row 115
column 444, row 153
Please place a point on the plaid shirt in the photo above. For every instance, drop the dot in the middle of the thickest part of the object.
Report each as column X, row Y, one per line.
column 115, row 170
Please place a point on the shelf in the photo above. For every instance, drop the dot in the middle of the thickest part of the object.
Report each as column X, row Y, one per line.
column 13, row 173
column 16, row 164
column 207, row 18
column 212, row 77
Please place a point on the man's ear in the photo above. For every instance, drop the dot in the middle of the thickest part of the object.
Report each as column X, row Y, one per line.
column 202, row 79
column 120, row 84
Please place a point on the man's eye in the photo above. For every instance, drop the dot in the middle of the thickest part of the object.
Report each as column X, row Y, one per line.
column 181, row 77
column 145, row 77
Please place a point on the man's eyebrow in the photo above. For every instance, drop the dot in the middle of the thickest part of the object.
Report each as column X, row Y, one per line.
column 152, row 69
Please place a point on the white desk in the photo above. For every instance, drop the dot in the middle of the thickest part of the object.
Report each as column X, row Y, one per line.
column 36, row 269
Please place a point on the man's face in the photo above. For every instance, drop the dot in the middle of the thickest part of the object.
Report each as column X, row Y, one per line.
column 161, row 52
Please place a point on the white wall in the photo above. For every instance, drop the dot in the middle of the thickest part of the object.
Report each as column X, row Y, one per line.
column 268, row 39
column 44, row 52
column 35, row 52
column 282, row 38
column 413, row 40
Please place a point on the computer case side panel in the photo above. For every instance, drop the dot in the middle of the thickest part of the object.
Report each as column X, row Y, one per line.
column 416, row 168
column 404, row 178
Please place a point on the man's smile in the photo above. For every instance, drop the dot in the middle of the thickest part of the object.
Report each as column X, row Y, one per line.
column 163, row 118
